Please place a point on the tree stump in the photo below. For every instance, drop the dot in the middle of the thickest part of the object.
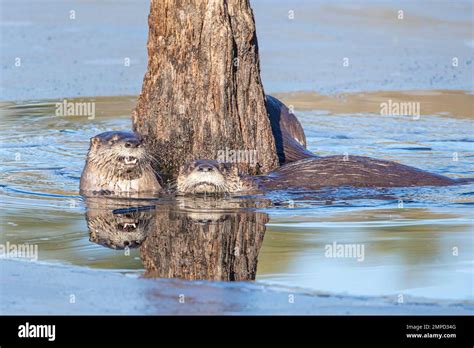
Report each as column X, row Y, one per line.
column 202, row 93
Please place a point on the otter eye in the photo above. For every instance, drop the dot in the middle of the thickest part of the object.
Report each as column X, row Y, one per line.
column 128, row 145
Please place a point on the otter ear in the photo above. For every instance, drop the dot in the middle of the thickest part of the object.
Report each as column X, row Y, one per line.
column 235, row 169
column 229, row 167
column 191, row 164
column 95, row 142
column 223, row 165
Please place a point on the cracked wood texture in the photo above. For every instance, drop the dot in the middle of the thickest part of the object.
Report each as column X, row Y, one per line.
column 202, row 92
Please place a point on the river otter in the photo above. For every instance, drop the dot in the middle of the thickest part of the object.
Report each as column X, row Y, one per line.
column 208, row 176
column 290, row 140
column 117, row 163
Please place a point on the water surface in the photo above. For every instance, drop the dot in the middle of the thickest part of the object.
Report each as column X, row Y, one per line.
column 417, row 241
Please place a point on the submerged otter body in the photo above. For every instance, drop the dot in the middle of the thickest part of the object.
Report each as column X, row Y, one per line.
column 207, row 176
column 117, row 164
column 355, row 171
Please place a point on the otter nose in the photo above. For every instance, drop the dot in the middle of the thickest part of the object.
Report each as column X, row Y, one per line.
column 205, row 168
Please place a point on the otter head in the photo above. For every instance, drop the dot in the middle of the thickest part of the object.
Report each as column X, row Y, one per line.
column 122, row 153
column 208, row 176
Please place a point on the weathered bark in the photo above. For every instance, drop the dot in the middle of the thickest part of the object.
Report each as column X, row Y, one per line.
column 202, row 92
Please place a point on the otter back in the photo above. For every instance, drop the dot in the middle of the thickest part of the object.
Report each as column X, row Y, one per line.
column 355, row 171
column 290, row 139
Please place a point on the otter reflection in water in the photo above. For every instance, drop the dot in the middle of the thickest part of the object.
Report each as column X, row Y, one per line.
column 118, row 224
column 193, row 238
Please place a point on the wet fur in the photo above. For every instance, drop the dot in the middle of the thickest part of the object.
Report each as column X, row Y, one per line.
column 353, row 171
column 290, row 140
column 315, row 173
column 223, row 179
column 106, row 171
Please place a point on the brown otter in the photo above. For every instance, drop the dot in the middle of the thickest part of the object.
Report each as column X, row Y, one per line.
column 290, row 139
column 208, row 176
column 117, row 163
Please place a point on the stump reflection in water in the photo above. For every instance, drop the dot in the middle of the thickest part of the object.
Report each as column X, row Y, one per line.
column 190, row 238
